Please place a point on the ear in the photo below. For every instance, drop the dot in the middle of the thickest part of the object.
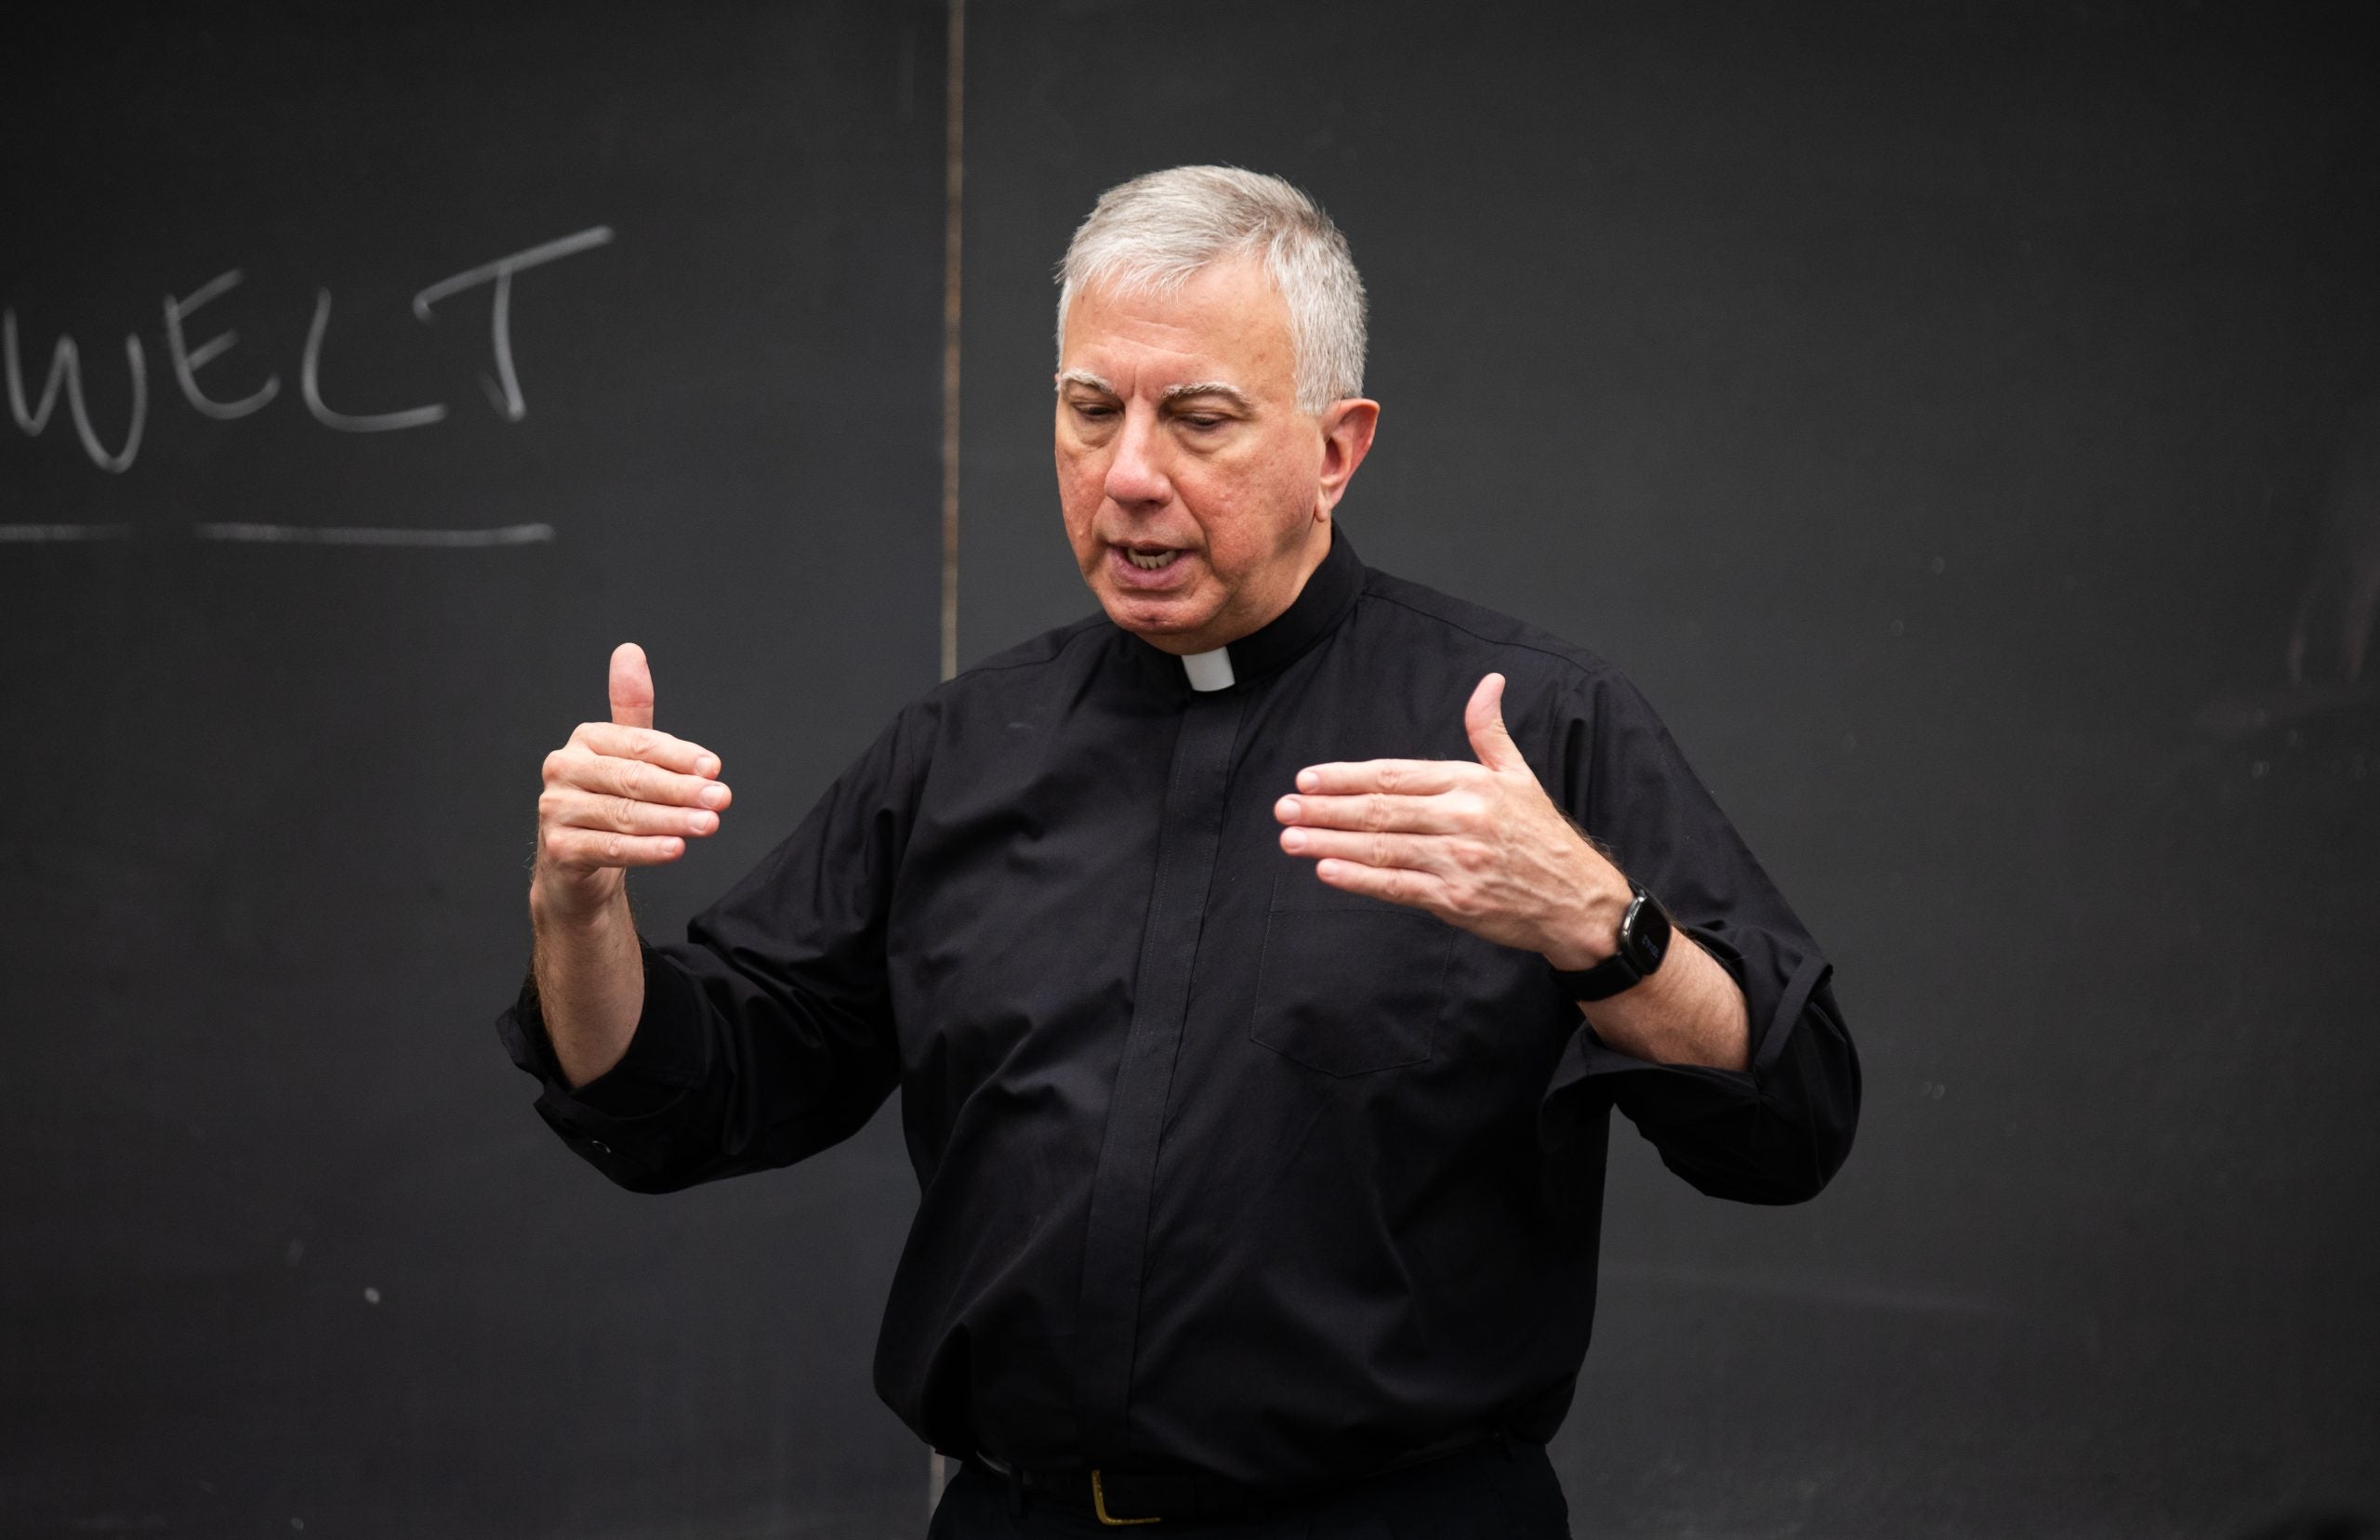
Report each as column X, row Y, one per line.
column 1346, row 439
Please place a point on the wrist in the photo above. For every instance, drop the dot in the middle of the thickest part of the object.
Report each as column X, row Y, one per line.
column 558, row 904
column 1589, row 932
column 1640, row 945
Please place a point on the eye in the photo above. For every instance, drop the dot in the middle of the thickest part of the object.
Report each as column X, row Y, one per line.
column 1205, row 422
column 1093, row 411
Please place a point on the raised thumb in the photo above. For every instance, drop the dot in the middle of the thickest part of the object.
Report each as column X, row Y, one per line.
column 1483, row 719
column 631, row 687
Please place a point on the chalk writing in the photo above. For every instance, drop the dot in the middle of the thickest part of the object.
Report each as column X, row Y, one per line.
column 499, row 272
column 66, row 372
column 189, row 361
column 309, row 386
column 64, row 379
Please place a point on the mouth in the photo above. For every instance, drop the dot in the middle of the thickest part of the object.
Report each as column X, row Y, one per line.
column 1147, row 565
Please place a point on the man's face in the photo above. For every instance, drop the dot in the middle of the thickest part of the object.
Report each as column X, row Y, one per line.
column 1198, row 496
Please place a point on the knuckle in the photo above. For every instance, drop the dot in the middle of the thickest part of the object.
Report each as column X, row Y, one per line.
column 612, row 846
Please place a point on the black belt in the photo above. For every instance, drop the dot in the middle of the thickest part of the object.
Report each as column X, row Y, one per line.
column 1120, row 1498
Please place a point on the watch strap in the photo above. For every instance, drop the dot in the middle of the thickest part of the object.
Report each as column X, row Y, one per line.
column 1644, row 933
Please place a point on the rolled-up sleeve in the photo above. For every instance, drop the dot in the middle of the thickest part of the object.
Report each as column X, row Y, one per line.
column 1772, row 1133
column 766, row 1035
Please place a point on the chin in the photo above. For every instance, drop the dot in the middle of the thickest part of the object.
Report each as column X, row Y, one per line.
column 1156, row 620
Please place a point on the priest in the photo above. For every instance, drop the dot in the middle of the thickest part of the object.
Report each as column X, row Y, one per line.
column 1257, row 960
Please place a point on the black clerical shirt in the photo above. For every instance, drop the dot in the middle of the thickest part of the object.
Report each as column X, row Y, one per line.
column 1218, row 1168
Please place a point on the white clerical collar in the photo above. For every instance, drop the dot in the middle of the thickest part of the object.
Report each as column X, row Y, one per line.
column 1209, row 670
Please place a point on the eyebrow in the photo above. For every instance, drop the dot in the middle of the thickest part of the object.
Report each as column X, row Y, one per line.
column 1207, row 387
column 1173, row 393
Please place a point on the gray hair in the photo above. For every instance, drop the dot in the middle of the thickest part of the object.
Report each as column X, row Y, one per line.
column 1150, row 234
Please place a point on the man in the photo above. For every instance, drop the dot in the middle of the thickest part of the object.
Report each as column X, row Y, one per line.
column 1256, row 1002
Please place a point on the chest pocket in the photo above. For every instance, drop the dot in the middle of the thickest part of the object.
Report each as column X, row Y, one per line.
column 1349, row 985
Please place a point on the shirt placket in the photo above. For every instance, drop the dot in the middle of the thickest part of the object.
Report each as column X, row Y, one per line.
column 1116, row 1244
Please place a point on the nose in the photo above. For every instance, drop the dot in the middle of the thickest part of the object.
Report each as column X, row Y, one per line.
column 1136, row 477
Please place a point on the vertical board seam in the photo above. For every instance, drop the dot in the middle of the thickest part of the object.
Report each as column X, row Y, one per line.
column 953, row 178
column 954, row 172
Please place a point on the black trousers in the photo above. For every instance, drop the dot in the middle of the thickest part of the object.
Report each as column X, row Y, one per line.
column 1487, row 1492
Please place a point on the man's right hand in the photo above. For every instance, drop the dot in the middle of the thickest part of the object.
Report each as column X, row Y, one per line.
column 618, row 795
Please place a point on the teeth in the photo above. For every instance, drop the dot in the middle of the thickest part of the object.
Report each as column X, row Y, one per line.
column 1152, row 563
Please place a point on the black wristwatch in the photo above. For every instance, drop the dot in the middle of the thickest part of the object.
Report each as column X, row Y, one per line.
column 1644, row 942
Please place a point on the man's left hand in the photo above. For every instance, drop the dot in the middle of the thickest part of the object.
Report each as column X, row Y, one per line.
column 1480, row 846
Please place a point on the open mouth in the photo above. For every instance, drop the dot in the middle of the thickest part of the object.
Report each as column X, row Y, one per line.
column 1147, row 565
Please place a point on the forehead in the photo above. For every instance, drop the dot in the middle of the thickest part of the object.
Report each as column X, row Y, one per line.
column 1227, row 322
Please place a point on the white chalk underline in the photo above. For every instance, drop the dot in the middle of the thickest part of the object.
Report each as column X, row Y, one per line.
column 299, row 534
column 65, row 531
column 501, row 535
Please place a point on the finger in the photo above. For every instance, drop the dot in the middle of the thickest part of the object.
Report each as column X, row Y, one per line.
column 641, row 782
column 1411, row 853
column 1483, row 721
column 631, row 686
column 567, row 807
column 633, row 778
column 1406, row 777
column 587, row 849
column 1396, row 884
column 650, row 745
column 1445, row 813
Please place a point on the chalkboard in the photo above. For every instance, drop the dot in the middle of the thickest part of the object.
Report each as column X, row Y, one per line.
column 286, row 1248
column 1957, row 419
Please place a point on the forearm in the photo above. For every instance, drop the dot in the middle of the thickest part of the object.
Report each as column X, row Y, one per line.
column 590, row 983
column 1689, row 1011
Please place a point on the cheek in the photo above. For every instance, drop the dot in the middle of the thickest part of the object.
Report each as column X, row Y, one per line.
column 1080, row 487
column 1246, row 514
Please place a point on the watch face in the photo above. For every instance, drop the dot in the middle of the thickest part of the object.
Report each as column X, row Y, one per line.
column 1631, row 933
column 1643, row 933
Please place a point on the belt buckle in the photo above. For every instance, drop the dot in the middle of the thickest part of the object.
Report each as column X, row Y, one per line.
column 1099, row 1507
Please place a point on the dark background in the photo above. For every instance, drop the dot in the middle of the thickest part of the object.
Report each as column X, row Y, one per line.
column 1931, row 408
